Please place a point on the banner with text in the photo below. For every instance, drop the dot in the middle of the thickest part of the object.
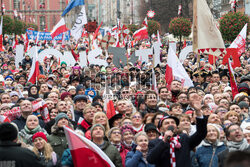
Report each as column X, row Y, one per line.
column 46, row 35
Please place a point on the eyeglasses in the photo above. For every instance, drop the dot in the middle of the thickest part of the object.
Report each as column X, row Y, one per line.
column 116, row 133
column 136, row 116
column 127, row 123
column 183, row 97
column 224, row 111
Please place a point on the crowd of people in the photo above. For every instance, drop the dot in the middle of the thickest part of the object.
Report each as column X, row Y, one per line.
column 171, row 125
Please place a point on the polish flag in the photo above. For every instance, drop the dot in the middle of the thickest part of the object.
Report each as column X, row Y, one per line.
column 141, row 34
column 232, row 79
column 15, row 43
column 3, row 7
column 4, row 119
column 175, row 70
column 184, row 44
column 59, row 28
column 145, row 22
column 34, row 72
column 84, row 152
column 1, row 35
column 96, row 31
column 15, row 13
column 108, row 102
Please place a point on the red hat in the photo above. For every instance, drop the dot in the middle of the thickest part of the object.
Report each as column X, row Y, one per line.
column 39, row 134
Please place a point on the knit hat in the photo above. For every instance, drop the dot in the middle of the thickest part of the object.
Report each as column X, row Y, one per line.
column 227, row 88
column 71, row 87
column 63, row 62
column 39, row 134
column 94, row 126
column 60, row 116
column 243, row 87
column 8, row 132
column 64, row 94
column 243, row 104
column 9, row 77
column 13, row 93
column 208, row 95
column 125, row 128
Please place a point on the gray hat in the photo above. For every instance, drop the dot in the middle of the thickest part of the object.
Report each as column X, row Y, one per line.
column 111, row 130
column 92, row 128
column 243, row 104
column 60, row 116
column 80, row 97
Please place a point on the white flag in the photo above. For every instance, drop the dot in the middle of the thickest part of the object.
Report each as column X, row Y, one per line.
column 77, row 29
column 178, row 70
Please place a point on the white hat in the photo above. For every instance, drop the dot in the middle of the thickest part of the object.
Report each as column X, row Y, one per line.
column 71, row 87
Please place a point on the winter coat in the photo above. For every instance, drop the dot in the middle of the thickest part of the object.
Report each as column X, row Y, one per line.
column 135, row 159
column 58, row 140
column 21, row 122
column 78, row 114
column 123, row 153
column 14, row 155
column 49, row 125
column 67, row 159
column 113, row 154
column 207, row 154
column 26, row 134
column 159, row 151
column 54, row 162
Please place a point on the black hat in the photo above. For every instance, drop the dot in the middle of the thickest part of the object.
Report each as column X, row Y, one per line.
column 114, row 118
column 243, row 87
column 80, row 97
column 8, row 132
column 150, row 126
column 168, row 117
column 245, row 78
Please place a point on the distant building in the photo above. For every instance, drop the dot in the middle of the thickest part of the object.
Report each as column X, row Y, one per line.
column 43, row 13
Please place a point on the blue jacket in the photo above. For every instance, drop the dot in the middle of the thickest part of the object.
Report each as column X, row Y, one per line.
column 67, row 158
column 207, row 155
column 135, row 159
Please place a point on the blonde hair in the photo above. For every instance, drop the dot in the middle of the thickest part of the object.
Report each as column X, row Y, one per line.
column 88, row 106
column 47, row 151
column 140, row 134
column 229, row 113
column 106, row 126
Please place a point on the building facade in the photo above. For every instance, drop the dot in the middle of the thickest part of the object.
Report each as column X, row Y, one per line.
column 44, row 13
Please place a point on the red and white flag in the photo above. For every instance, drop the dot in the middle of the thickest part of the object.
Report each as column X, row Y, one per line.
column 34, row 72
column 4, row 119
column 59, row 28
column 15, row 42
column 145, row 22
column 175, row 70
column 3, row 7
column 141, row 34
column 179, row 10
column 84, row 152
column 15, row 13
column 232, row 79
column 240, row 41
column 1, row 35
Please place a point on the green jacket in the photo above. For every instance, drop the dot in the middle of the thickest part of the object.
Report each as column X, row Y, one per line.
column 58, row 140
column 113, row 154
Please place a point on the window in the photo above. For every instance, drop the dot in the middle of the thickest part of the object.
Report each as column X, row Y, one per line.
column 42, row 23
column 16, row 4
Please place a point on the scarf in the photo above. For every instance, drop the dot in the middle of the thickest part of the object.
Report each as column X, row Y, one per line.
column 174, row 143
column 234, row 146
column 118, row 146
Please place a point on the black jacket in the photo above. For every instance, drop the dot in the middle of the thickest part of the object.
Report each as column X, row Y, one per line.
column 21, row 122
column 159, row 151
column 78, row 114
column 52, row 122
column 17, row 156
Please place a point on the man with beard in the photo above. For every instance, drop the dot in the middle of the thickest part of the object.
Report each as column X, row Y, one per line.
column 182, row 99
column 175, row 88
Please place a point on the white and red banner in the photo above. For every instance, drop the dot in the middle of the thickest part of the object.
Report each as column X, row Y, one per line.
column 232, row 79
column 59, row 28
column 16, row 112
column 34, row 72
column 84, row 152
column 175, row 70
column 1, row 35
column 141, row 34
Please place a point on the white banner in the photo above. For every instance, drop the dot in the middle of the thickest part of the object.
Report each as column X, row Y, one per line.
column 77, row 29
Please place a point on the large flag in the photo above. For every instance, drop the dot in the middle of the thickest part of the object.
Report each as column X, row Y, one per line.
column 141, row 34
column 232, row 79
column 175, row 70
column 15, row 42
column 84, row 152
column 71, row 5
column 81, row 20
column 108, row 100
column 1, row 35
column 59, row 28
column 34, row 72
column 206, row 36
column 240, row 41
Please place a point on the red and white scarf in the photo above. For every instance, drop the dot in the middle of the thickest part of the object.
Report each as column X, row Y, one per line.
column 174, row 143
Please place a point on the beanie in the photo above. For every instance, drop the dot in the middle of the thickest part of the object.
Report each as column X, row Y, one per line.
column 94, row 126
column 8, row 132
column 243, row 104
column 39, row 134
column 63, row 62
column 60, row 116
